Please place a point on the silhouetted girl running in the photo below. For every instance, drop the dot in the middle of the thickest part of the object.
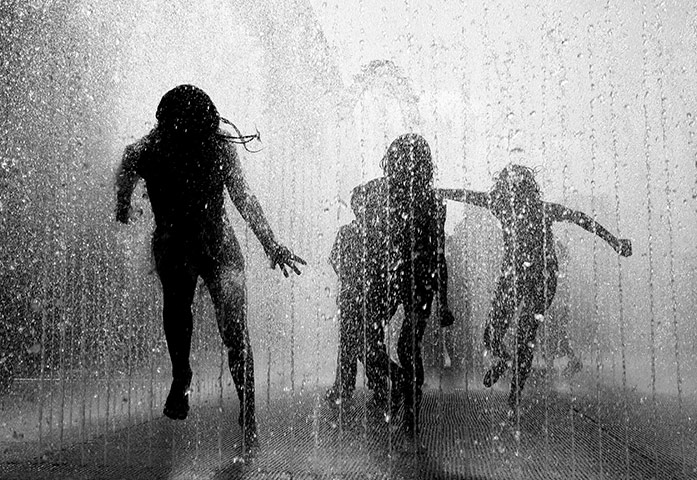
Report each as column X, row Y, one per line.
column 528, row 278
column 416, row 218
column 188, row 164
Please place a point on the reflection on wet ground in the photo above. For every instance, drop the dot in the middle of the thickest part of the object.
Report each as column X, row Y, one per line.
column 466, row 433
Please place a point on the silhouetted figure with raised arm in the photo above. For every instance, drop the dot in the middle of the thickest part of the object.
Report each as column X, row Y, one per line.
column 187, row 163
column 417, row 270
column 528, row 278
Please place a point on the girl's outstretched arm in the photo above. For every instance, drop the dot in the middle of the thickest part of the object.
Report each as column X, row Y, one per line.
column 250, row 209
column 560, row 213
column 480, row 199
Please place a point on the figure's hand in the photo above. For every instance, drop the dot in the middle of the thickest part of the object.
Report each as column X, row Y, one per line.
column 281, row 256
column 624, row 247
column 446, row 317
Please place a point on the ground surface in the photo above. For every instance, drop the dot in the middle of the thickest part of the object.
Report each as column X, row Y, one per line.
column 465, row 433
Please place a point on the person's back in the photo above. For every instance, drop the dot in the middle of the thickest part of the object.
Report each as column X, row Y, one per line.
column 414, row 237
column 184, row 182
column 527, row 233
column 186, row 185
column 187, row 164
column 414, row 232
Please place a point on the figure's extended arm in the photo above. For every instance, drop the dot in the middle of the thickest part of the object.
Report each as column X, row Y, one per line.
column 246, row 202
column 250, row 209
column 557, row 213
column 479, row 199
column 126, row 180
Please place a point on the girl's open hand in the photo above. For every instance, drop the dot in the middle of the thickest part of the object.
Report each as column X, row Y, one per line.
column 624, row 247
column 281, row 256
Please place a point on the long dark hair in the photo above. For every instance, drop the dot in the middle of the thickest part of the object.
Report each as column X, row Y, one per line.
column 516, row 185
column 187, row 111
column 408, row 167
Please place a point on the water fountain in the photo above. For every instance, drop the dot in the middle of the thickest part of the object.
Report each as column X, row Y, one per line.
column 599, row 99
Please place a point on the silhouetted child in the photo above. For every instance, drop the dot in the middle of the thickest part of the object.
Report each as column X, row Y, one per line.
column 528, row 278
column 188, row 163
column 358, row 257
column 416, row 215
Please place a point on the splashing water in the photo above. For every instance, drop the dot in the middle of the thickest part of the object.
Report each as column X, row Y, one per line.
column 594, row 96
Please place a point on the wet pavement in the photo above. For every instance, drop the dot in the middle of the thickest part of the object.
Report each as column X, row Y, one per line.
column 465, row 433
